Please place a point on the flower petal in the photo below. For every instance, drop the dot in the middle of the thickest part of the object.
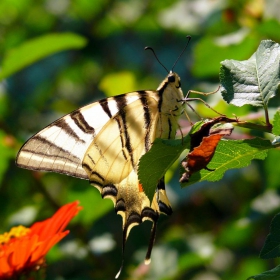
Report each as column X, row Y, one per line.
column 57, row 222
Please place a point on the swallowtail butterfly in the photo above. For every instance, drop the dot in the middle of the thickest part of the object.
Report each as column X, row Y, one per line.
column 103, row 143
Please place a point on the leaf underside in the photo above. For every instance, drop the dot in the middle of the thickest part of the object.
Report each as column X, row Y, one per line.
column 254, row 81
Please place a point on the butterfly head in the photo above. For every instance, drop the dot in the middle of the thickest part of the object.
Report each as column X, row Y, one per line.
column 174, row 79
column 170, row 94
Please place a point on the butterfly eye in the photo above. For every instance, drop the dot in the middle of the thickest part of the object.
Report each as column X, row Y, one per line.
column 171, row 79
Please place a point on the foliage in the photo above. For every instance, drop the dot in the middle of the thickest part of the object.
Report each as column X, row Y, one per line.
column 38, row 48
column 254, row 81
column 217, row 229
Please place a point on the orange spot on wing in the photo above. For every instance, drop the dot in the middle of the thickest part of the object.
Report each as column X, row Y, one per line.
column 140, row 187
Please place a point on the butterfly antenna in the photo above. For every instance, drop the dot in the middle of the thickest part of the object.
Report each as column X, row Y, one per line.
column 149, row 48
column 188, row 38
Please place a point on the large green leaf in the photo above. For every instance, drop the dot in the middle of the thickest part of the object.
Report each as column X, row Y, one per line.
column 154, row 164
column 229, row 154
column 253, row 81
column 38, row 48
column 232, row 154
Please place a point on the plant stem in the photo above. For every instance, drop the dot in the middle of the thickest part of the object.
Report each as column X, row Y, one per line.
column 268, row 124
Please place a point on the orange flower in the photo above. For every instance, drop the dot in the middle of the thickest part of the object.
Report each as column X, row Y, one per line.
column 22, row 250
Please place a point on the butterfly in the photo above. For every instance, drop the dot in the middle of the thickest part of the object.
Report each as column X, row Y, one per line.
column 103, row 143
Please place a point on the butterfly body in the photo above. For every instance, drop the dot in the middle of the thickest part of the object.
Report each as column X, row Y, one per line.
column 103, row 143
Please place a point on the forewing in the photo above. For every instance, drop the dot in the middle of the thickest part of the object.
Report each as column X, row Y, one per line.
column 61, row 146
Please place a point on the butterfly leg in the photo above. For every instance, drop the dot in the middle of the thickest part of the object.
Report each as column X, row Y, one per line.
column 205, row 103
column 202, row 93
column 187, row 99
column 193, row 111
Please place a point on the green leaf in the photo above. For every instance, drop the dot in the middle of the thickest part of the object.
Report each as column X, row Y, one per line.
column 232, row 154
column 253, row 81
column 276, row 123
column 154, row 164
column 272, row 274
column 38, row 48
column 271, row 248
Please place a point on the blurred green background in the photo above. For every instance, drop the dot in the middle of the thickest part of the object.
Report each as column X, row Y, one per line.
column 217, row 229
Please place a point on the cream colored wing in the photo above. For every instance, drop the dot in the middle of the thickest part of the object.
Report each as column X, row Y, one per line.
column 117, row 148
column 62, row 145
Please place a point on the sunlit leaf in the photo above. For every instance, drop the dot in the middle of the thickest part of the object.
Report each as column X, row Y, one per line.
column 253, row 81
column 38, row 48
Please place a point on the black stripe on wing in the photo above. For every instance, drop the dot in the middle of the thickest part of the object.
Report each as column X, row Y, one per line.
column 62, row 124
column 160, row 93
column 104, row 104
column 170, row 128
column 80, row 121
column 122, row 123
column 147, row 119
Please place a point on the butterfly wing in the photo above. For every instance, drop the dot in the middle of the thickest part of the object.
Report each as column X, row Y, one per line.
column 61, row 146
column 117, row 148
column 103, row 142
